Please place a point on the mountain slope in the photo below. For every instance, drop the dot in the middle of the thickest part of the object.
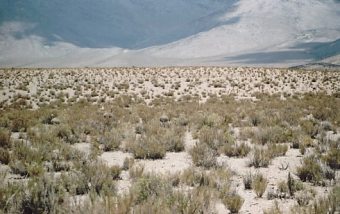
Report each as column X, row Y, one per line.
column 161, row 32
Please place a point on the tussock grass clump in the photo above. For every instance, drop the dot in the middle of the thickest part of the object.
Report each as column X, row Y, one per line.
column 310, row 170
column 248, row 180
column 276, row 150
column 5, row 139
column 332, row 158
column 4, row 156
column 233, row 202
column 236, row 150
column 259, row 184
column 261, row 157
column 217, row 178
column 293, row 185
column 203, row 155
column 115, row 172
column 147, row 148
column 110, row 140
column 275, row 134
column 173, row 140
column 150, row 186
column 323, row 205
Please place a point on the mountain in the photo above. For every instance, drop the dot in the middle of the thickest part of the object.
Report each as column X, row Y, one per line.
column 59, row 33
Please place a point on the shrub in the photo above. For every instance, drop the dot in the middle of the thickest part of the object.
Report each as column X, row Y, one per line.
column 276, row 150
column 260, row 158
column 293, row 185
column 259, row 184
column 282, row 187
column 35, row 170
column 310, row 170
column 150, row 186
column 233, row 202
column 115, row 172
column 148, row 148
column 136, row 172
column 215, row 138
column 5, row 139
column 240, row 150
column 100, row 177
column 110, row 140
column 67, row 135
column 44, row 195
column 248, row 180
column 274, row 134
column 4, row 156
column 273, row 210
column 304, row 197
column 203, row 155
column 18, row 167
column 332, row 158
column 128, row 163
column 173, row 140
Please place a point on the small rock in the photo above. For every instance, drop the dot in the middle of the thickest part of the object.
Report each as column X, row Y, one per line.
column 164, row 118
column 55, row 121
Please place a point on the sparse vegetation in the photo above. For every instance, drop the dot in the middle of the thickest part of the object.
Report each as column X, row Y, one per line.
column 128, row 140
column 259, row 184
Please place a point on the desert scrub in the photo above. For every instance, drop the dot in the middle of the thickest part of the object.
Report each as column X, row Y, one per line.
column 310, row 170
column 233, row 202
column 216, row 179
column 275, row 134
column 235, row 150
column 110, row 140
column 276, row 150
column 261, row 157
column 115, row 172
column 203, row 155
column 150, row 186
column 274, row 209
column 94, row 177
column 332, row 158
column 44, row 195
column 259, row 184
column 173, row 139
column 5, row 139
column 4, row 156
column 293, row 185
column 215, row 138
column 248, row 180
column 67, row 134
column 147, row 148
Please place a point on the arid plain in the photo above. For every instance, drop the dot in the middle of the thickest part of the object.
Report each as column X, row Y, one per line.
column 169, row 140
